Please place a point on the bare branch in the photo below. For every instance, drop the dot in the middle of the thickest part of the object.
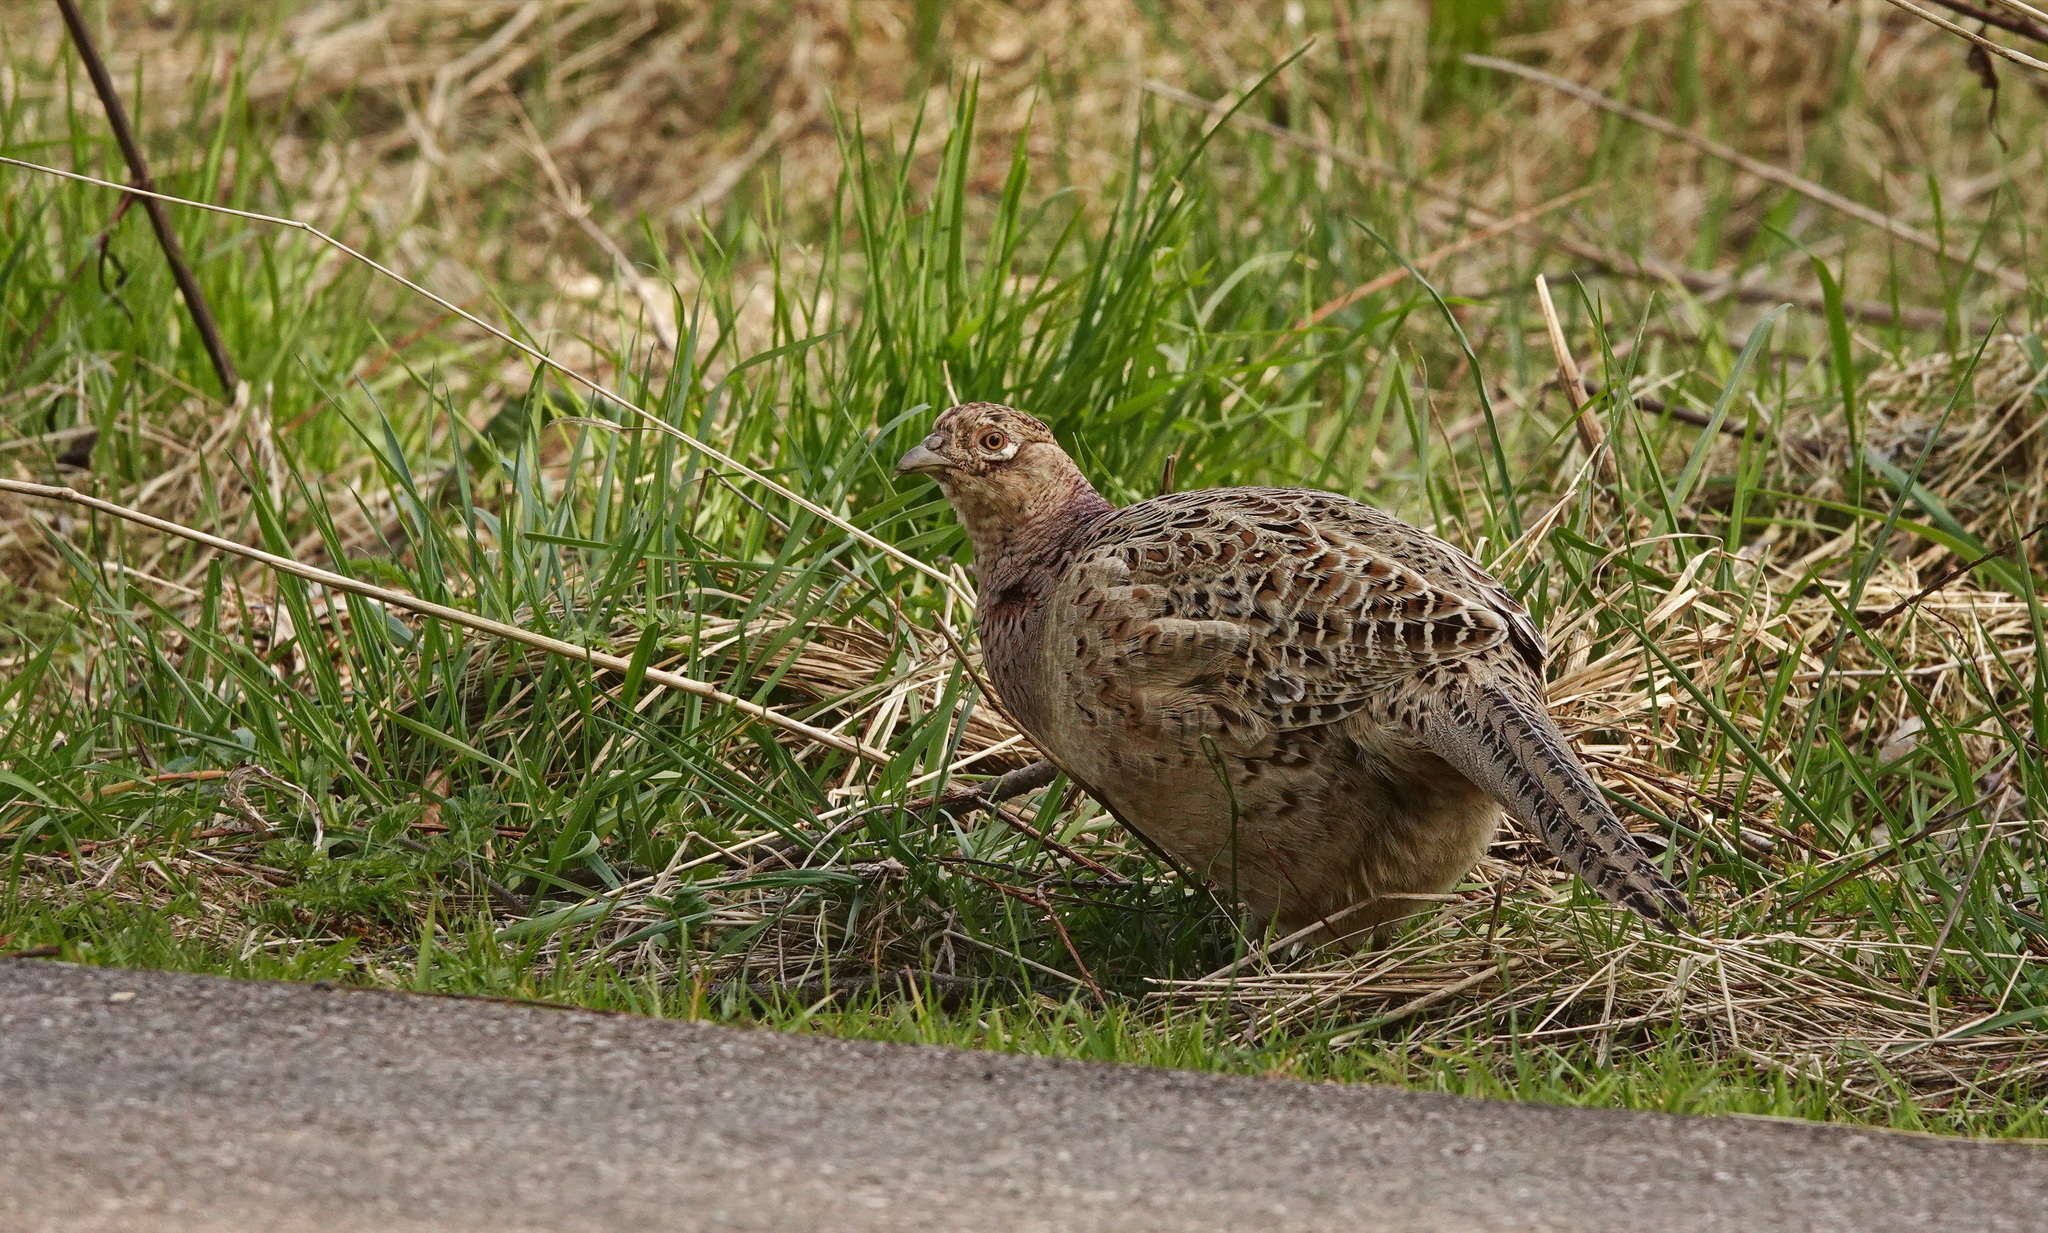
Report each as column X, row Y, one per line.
column 138, row 167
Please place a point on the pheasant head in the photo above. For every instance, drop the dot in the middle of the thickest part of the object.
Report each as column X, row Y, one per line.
column 1013, row 487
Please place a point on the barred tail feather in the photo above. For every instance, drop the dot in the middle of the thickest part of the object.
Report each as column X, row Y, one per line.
column 1507, row 744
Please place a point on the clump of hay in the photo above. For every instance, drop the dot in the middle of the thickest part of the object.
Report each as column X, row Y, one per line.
column 1969, row 421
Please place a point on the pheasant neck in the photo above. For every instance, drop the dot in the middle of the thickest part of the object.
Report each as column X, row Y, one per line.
column 1019, row 539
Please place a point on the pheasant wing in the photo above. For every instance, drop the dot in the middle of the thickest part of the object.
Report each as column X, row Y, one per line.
column 1235, row 614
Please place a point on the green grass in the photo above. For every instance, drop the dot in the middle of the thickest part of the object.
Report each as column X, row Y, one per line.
column 438, row 814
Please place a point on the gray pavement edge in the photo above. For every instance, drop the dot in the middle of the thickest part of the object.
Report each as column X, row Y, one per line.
column 152, row 1101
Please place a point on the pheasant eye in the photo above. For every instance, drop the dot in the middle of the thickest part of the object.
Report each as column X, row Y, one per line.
column 992, row 441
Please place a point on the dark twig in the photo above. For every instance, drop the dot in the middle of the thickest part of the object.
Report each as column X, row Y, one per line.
column 159, row 221
column 1037, row 899
column 992, row 793
column 1011, row 816
column 1024, row 779
column 1059, row 926
column 2010, row 23
column 1948, row 576
column 1978, row 42
column 1684, row 415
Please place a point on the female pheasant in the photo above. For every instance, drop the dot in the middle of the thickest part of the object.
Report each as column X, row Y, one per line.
column 1311, row 703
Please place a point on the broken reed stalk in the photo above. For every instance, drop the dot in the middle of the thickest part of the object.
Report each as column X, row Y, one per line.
column 456, row 616
column 1591, row 435
column 539, row 357
column 1756, row 167
column 1622, row 265
column 159, row 221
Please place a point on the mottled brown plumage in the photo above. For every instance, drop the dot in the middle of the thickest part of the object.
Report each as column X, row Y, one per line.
column 1308, row 701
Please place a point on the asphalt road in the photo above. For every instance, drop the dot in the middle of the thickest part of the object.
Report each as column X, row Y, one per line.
column 147, row 1101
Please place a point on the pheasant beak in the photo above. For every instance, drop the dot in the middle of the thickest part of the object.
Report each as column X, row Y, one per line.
column 920, row 460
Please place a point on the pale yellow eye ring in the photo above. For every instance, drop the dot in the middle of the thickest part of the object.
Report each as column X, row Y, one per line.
column 992, row 441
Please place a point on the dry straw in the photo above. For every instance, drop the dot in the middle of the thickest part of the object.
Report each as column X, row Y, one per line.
column 1756, row 167
column 454, row 616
